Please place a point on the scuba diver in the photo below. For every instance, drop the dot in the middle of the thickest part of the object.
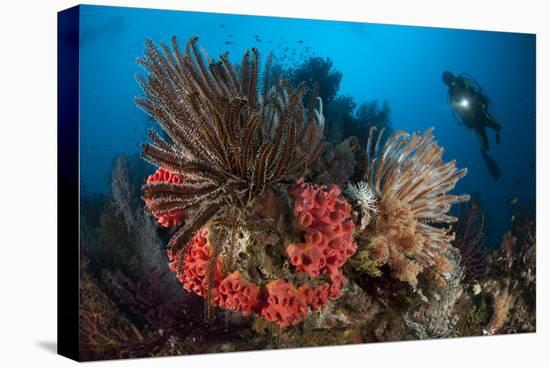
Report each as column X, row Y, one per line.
column 470, row 103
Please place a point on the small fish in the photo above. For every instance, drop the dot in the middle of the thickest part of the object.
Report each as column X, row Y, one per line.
column 512, row 200
column 222, row 25
column 300, row 41
column 228, row 42
column 513, row 218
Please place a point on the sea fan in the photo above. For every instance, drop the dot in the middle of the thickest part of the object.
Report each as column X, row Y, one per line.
column 469, row 239
column 411, row 181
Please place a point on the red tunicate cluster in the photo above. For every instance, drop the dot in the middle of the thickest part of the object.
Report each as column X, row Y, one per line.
column 171, row 218
column 191, row 267
column 336, row 276
column 316, row 297
column 232, row 292
column 238, row 294
column 325, row 217
column 283, row 303
column 286, row 305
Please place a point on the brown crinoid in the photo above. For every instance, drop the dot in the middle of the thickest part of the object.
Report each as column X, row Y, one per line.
column 411, row 182
column 228, row 141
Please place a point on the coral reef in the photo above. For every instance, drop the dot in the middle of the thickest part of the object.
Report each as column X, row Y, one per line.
column 404, row 187
column 252, row 232
column 411, row 182
column 228, row 142
column 324, row 215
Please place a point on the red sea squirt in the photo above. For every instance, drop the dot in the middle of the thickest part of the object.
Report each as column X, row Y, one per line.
column 238, row 294
column 233, row 292
column 325, row 217
column 316, row 297
column 191, row 267
column 171, row 218
column 286, row 305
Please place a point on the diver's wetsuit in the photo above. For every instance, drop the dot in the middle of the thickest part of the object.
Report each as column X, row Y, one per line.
column 474, row 114
column 471, row 104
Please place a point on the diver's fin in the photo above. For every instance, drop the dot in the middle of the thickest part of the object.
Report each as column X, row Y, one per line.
column 492, row 166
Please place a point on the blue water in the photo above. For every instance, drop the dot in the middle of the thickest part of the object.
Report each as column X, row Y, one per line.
column 400, row 64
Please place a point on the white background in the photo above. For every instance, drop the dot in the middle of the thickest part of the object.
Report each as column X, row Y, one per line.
column 28, row 182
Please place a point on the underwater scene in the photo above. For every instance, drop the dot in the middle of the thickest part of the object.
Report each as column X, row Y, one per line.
column 254, row 183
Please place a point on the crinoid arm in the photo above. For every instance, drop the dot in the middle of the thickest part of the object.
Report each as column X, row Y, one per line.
column 226, row 140
column 412, row 183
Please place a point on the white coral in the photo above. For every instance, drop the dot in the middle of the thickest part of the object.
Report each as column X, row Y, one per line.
column 319, row 117
column 365, row 198
column 363, row 195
